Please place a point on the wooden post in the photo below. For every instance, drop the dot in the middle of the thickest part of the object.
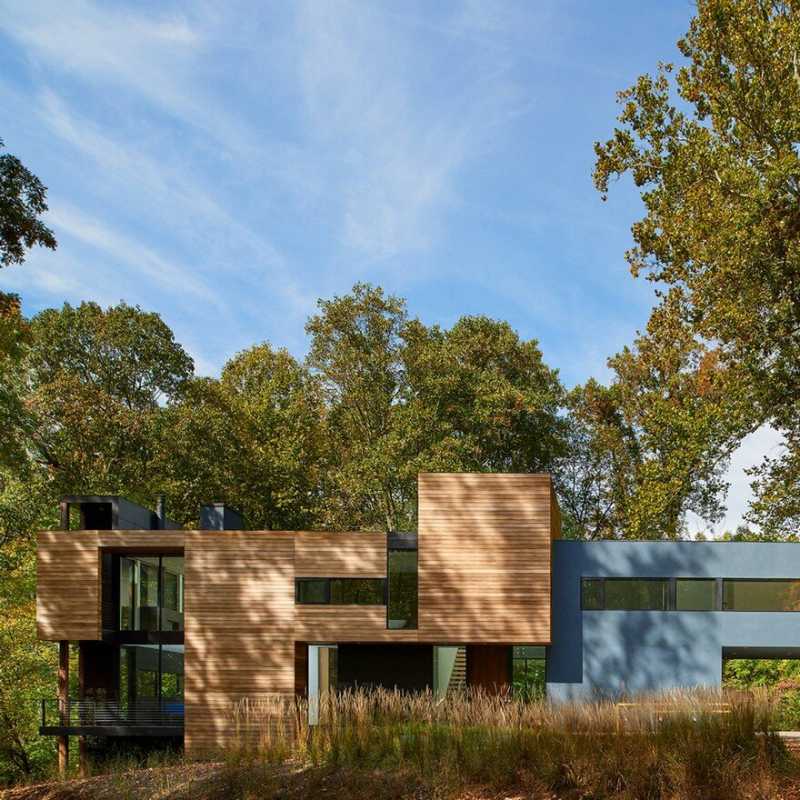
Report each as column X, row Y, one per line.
column 63, row 706
column 83, row 758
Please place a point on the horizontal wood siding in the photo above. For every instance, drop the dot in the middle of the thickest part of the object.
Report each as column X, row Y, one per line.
column 340, row 555
column 239, row 615
column 68, row 595
column 484, row 558
column 351, row 623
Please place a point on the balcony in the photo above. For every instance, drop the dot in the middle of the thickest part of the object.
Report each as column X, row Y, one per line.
column 109, row 718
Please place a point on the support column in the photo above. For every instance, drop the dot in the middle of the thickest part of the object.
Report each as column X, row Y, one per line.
column 63, row 706
column 83, row 758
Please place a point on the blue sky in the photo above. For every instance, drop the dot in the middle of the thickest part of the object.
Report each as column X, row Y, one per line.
column 226, row 164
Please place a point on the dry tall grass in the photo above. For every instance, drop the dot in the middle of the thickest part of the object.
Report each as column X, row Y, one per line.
column 677, row 745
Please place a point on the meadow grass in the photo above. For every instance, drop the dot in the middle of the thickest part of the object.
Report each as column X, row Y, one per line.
column 676, row 745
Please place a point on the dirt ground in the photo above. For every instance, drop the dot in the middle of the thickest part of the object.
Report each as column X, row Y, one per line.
column 218, row 781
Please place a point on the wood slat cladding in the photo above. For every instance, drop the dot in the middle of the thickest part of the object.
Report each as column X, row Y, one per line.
column 484, row 558
column 347, row 624
column 68, row 594
column 340, row 555
column 239, row 619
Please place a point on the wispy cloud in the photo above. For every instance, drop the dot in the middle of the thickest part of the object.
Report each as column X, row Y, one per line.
column 119, row 250
column 396, row 129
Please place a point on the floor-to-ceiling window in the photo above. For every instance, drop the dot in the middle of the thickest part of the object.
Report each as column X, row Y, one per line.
column 528, row 671
column 151, row 674
column 147, row 591
column 403, row 587
column 150, row 593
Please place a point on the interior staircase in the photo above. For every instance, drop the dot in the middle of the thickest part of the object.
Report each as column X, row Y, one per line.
column 458, row 677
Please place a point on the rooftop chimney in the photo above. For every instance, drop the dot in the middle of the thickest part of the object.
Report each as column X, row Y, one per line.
column 161, row 515
column 219, row 517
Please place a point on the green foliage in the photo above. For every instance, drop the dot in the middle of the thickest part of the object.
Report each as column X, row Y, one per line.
column 654, row 444
column 96, row 381
column 253, row 439
column 403, row 398
column 713, row 149
column 779, row 677
column 22, row 202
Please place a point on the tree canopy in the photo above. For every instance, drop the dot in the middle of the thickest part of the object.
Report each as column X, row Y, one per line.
column 22, row 203
column 713, row 148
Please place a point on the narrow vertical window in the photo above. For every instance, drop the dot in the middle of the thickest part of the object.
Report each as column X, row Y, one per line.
column 403, row 589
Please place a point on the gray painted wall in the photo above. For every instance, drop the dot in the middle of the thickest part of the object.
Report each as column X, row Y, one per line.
column 611, row 653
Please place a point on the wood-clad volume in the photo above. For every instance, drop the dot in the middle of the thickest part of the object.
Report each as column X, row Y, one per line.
column 239, row 633
column 484, row 558
column 68, row 595
column 339, row 555
column 350, row 623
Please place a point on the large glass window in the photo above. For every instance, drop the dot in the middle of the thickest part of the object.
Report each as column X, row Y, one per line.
column 528, row 671
column 625, row 594
column 311, row 591
column 689, row 594
column 172, row 593
column 151, row 593
column 138, row 673
column 403, row 580
column 341, row 591
column 761, row 595
column 592, row 594
column 149, row 673
column 695, row 594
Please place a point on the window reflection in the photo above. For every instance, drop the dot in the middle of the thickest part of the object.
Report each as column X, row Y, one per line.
column 142, row 581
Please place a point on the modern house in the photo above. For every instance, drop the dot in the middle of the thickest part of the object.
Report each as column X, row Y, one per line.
column 174, row 627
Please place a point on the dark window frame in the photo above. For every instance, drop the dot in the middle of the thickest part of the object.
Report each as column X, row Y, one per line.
column 671, row 593
column 719, row 586
column 525, row 659
column 401, row 543
column 328, row 594
column 119, row 631
column 716, row 595
column 721, row 589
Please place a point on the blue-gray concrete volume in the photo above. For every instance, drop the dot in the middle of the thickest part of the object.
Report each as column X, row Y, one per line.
column 614, row 653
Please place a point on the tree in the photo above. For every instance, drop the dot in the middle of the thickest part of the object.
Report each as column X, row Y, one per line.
column 96, row 380
column 356, row 352
column 22, row 202
column 14, row 335
column 494, row 405
column 654, row 444
column 252, row 439
column 403, row 398
column 714, row 152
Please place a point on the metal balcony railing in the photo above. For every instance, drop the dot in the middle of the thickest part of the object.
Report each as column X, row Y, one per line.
column 111, row 714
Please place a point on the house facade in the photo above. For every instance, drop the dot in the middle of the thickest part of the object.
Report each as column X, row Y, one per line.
column 174, row 628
